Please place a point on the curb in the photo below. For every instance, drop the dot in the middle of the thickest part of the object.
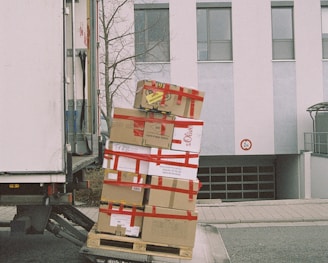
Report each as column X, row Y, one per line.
column 264, row 220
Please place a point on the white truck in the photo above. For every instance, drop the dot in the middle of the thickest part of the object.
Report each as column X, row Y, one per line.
column 49, row 109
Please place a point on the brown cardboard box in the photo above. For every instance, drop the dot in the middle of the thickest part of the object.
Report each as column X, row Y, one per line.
column 119, row 220
column 122, row 187
column 164, row 97
column 173, row 193
column 179, row 231
column 142, row 128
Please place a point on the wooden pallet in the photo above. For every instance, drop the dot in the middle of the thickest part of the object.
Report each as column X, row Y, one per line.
column 135, row 245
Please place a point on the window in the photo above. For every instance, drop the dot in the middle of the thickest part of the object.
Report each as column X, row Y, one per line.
column 282, row 33
column 214, row 37
column 324, row 29
column 152, row 34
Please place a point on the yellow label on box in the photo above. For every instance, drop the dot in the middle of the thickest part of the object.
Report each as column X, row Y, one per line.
column 154, row 97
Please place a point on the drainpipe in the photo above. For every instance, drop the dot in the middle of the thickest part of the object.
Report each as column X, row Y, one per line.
column 73, row 74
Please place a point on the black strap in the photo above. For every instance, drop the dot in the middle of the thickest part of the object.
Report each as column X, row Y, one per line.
column 83, row 56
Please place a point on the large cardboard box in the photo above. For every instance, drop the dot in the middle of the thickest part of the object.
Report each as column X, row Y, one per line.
column 119, row 220
column 126, row 157
column 142, row 128
column 165, row 97
column 174, row 164
column 187, row 134
column 173, row 193
column 169, row 226
column 123, row 187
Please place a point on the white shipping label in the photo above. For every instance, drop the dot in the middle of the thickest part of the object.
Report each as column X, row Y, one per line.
column 124, row 221
column 112, row 176
column 120, row 220
column 132, row 231
column 137, row 188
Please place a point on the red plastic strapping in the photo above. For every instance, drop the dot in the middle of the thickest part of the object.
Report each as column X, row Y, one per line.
column 195, row 96
column 158, row 158
column 134, row 213
column 180, row 96
column 165, row 91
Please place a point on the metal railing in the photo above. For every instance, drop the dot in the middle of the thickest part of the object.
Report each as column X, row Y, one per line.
column 316, row 142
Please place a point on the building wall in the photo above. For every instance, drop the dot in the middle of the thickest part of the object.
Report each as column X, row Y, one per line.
column 252, row 97
column 287, row 176
column 319, row 178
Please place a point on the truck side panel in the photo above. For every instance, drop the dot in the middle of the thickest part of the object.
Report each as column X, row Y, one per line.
column 31, row 86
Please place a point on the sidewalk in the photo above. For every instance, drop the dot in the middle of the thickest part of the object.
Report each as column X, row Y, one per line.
column 242, row 213
column 267, row 212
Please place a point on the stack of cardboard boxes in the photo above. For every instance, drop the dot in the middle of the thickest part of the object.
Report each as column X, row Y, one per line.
column 150, row 182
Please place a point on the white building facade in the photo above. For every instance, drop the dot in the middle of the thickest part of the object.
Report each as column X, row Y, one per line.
column 261, row 64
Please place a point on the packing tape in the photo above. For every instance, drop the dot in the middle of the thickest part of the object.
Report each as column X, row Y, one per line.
column 190, row 191
column 156, row 158
column 133, row 212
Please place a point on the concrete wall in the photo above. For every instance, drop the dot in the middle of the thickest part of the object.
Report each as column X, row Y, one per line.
column 319, row 177
column 287, row 176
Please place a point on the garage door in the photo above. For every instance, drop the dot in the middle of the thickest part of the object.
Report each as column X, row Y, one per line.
column 237, row 183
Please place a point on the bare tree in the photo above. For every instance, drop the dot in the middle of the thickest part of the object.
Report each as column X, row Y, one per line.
column 117, row 35
column 116, row 57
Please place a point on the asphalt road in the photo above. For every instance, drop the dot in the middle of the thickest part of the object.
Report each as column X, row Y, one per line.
column 37, row 249
column 277, row 244
column 287, row 244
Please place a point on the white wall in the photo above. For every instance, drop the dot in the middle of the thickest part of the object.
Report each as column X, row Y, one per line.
column 319, row 177
column 308, row 54
column 183, row 46
column 251, row 23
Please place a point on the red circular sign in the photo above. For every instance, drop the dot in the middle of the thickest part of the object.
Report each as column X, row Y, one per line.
column 246, row 144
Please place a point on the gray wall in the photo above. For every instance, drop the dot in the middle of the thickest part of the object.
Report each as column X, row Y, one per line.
column 319, row 177
column 287, row 176
column 216, row 79
column 285, row 107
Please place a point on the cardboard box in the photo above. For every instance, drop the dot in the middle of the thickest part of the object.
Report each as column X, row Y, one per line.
column 119, row 221
column 123, row 187
column 173, row 193
column 164, row 97
column 126, row 157
column 142, row 128
column 174, row 164
column 174, row 228
column 187, row 134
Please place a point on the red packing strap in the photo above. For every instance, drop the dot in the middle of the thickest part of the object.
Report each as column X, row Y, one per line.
column 165, row 91
column 192, row 105
column 159, row 158
column 176, row 123
column 139, row 122
column 156, row 158
column 153, row 213
column 159, row 186
column 186, row 124
column 180, row 96
column 192, row 95
column 150, row 186
column 191, row 189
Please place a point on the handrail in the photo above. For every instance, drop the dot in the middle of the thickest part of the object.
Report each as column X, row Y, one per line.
column 316, row 142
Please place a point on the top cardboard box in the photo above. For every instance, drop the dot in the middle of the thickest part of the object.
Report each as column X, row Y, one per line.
column 164, row 97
